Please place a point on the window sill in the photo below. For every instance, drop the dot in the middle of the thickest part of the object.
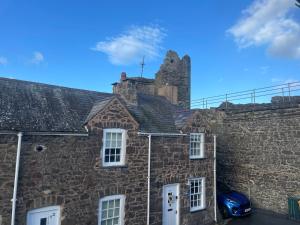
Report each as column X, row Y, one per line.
column 114, row 166
column 197, row 210
column 200, row 158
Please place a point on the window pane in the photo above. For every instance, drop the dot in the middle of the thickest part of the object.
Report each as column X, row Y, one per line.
column 113, row 144
column 110, row 213
column 116, row 221
column 43, row 221
column 117, row 211
column 104, row 214
column 113, row 137
column 112, row 158
column 117, row 203
column 109, row 222
column 111, row 204
column 104, row 205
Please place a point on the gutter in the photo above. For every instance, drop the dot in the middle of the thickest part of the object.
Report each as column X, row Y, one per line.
column 20, row 134
column 150, row 135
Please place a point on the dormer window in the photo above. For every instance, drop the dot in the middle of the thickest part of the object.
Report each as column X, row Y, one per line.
column 114, row 147
column 196, row 145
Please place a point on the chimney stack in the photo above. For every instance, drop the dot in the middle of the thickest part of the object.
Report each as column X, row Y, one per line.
column 123, row 76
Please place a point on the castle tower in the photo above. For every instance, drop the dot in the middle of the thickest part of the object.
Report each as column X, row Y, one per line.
column 173, row 79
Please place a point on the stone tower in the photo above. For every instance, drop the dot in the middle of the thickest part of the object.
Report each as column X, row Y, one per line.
column 172, row 81
column 175, row 73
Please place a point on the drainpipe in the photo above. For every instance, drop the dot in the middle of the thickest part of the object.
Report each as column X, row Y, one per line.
column 215, row 177
column 150, row 135
column 20, row 134
column 148, row 178
column 14, row 199
column 251, row 182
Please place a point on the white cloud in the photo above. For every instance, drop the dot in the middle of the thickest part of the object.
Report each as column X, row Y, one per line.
column 37, row 58
column 129, row 47
column 270, row 23
column 3, row 60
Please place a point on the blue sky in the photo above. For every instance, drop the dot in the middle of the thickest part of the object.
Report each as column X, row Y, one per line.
column 234, row 46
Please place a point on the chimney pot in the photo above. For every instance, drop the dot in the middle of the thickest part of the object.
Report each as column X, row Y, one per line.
column 123, row 76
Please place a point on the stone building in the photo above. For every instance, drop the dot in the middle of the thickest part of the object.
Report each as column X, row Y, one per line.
column 84, row 155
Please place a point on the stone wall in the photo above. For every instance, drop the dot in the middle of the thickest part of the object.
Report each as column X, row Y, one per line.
column 69, row 173
column 8, row 146
column 259, row 151
column 176, row 72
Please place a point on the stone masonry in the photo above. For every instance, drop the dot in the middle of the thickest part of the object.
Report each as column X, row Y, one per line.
column 69, row 172
column 259, row 152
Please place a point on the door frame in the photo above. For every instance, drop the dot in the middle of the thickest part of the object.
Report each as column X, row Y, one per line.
column 45, row 209
column 178, row 202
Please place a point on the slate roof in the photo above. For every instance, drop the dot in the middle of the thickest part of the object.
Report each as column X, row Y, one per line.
column 29, row 106
column 181, row 117
column 154, row 114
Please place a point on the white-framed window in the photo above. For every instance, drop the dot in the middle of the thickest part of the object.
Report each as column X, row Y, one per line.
column 197, row 194
column 114, row 147
column 111, row 210
column 197, row 145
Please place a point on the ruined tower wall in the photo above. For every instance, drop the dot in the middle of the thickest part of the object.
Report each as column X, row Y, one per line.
column 176, row 72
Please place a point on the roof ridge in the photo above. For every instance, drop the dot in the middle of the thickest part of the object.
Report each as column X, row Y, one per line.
column 51, row 85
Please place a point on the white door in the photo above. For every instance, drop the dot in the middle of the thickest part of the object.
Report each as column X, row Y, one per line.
column 171, row 204
column 44, row 216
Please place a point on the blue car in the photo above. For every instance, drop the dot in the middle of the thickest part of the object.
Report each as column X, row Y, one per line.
column 233, row 204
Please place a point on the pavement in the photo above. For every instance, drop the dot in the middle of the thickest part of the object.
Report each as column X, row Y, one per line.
column 261, row 218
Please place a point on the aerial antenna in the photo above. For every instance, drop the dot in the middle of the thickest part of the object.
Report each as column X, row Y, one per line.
column 142, row 65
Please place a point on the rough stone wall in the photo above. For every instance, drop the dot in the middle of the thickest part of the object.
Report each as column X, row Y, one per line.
column 69, row 173
column 260, row 151
column 176, row 72
column 130, row 88
column 171, row 164
column 8, row 150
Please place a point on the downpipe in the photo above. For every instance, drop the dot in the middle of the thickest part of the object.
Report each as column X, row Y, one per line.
column 148, row 178
column 150, row 135
column 20, row 134
column 14, row 199
column 215, row 178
